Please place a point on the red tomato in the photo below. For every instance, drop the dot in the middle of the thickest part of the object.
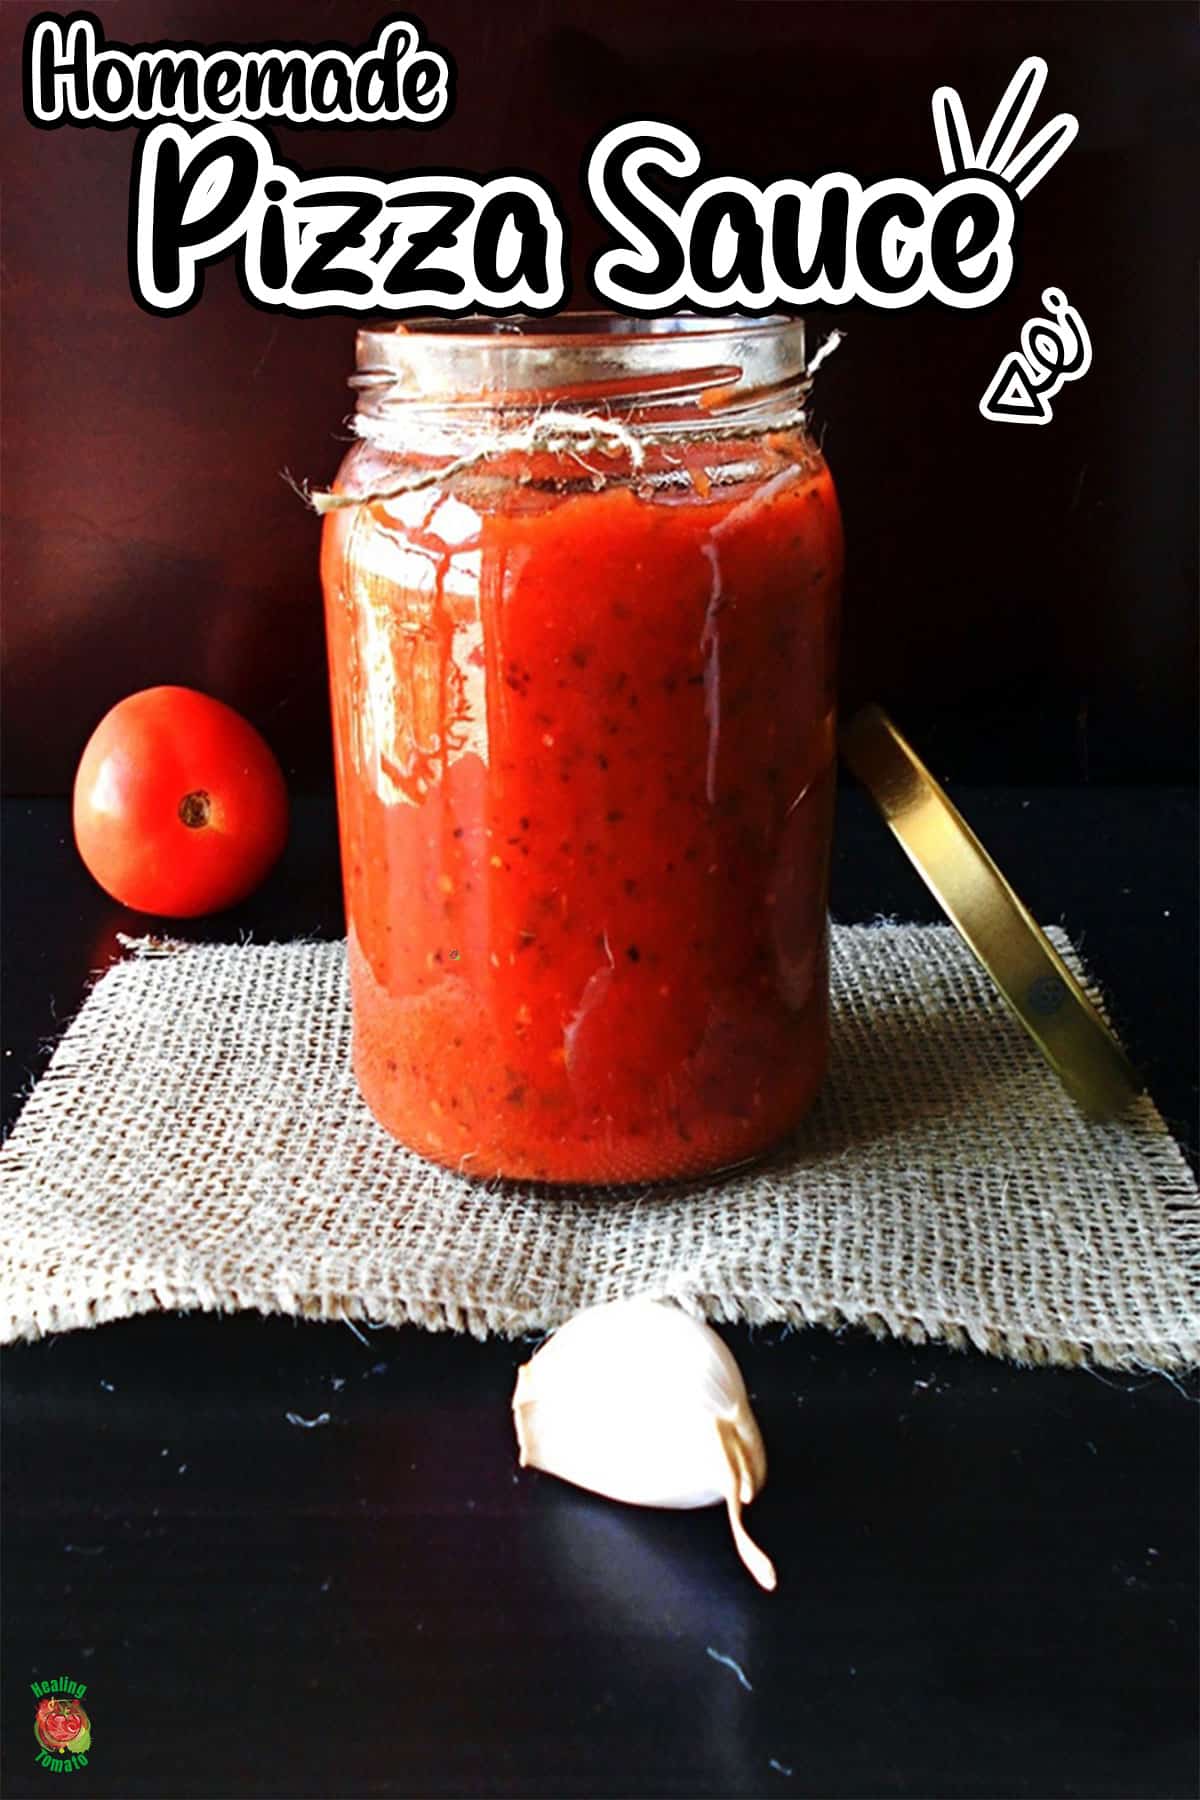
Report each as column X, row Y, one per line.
column 180, row 805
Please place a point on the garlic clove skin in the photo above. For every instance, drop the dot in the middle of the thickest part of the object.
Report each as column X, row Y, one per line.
column 640, row 1402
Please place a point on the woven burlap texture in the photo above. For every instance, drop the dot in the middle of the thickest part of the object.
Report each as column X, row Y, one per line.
column 198, row 1141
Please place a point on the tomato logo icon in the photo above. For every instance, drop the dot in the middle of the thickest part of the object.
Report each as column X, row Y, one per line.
column 61, row 1726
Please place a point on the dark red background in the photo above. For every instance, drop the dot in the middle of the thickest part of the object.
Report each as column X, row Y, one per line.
column 1025, row 598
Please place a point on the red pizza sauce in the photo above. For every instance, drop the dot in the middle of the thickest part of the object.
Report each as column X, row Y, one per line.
column 585, row 744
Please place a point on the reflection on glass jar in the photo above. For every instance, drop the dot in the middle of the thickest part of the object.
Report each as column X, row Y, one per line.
column 583, row 691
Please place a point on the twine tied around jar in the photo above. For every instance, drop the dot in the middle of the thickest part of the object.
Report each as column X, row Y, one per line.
column 551, row 431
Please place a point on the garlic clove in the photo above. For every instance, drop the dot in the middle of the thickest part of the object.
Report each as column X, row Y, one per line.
column 640, row 1402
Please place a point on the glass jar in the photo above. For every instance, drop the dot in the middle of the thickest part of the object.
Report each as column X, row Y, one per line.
column 581, row 586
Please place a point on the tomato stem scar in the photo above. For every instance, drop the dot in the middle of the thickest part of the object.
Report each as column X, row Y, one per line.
column 195, row 809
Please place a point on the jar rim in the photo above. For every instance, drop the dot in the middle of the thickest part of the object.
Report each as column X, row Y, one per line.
column 579, row 358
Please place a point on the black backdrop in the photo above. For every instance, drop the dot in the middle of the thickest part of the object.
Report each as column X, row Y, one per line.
column 1024, row 598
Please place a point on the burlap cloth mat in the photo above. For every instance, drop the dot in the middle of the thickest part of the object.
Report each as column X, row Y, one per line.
column 197, row 1141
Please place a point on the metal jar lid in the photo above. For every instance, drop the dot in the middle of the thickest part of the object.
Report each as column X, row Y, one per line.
column 997, row 927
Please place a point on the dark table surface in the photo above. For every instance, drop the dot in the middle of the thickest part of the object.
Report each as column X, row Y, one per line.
column 988, row 1574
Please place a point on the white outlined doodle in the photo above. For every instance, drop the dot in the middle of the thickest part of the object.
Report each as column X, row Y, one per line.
column 1052, row 351
column 1001, row 152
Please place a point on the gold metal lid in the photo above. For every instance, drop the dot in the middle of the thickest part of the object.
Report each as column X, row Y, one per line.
column 1000, row 931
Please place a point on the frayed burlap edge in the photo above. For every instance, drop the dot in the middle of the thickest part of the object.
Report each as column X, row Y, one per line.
column 378, row 1311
